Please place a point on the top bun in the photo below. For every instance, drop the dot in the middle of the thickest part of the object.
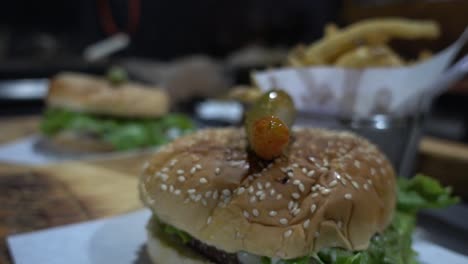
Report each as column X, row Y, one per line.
column 329, row 189
column 86, row 93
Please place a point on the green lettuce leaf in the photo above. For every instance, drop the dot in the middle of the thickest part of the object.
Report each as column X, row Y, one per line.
column 155, row 224
column 422, row 192
column 122, row 133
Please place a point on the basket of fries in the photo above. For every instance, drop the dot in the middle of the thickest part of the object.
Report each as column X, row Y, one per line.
column 353, row 74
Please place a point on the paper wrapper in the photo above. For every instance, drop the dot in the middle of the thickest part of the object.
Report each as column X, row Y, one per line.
column 362, row 92
column 119, row 240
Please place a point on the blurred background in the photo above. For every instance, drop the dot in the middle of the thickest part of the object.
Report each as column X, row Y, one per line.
column 39, row 39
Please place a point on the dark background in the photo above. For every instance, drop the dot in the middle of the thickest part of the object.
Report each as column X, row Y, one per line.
column 41, row 38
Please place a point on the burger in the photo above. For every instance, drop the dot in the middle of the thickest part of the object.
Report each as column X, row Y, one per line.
column 87, row 113
column 330, row 197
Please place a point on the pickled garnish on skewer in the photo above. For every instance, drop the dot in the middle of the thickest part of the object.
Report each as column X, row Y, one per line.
column 268, row 124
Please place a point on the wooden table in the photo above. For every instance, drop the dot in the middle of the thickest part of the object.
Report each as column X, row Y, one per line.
column 33, row 198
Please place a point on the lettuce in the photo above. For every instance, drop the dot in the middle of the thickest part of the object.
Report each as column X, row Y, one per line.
column 122, row 133
column 155, row 224
column 393, row 246
column 422, row 192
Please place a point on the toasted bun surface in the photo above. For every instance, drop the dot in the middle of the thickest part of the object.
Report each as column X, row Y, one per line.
column 330, row 189
column 86, row 93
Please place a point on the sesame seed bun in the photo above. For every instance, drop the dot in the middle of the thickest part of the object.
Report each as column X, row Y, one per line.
column 87, row 93
column 329, row 189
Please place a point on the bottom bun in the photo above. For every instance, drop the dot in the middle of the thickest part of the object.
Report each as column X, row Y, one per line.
column 163, row 250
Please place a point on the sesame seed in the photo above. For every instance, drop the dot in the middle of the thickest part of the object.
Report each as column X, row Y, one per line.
column 343, row 181
column 333, row 183
column 259, row 186
column 369, row 181
column 348, row 176
column 304, row 170
column 163, row 187
column 301, row 187
column 288, row 233
column 177, row 192
column 325, row 191
column 272, row 213
column 296, row 195
column 306, row 223
column 246, row 214
column 357, row 164
column 355, row 184
column 241, row 190
column 255, row 212
column 348, row 196
column 253, row 199
column 290, row 205
column 146, row 165
column 311, row 173
column 198, row 166
column 314, row 195
column 203, row 201
column 165, row 169
column 339, row 224
column 372, row 171
column 251, row 189
column 296, row 182
column 208, row 194
column 267, row 185
column 313, row 207
column 164, row 177
column 217, row 171
column 172, row 162
column 203, row 180
column 171, row 188
column 180, row 172
column 283, row 221
column 258, row 193
column 279, row 196
column 366, row 186
column 215, row 195
column 272, row 192
column 296, row 211
column 198, row 197
column 208, row 220
column 295, row 165
column 181, row 178
column 226, row 192
column 193, row 170
column 262, row 197
column 191, row 191
column 312, row 159
column 290, row 174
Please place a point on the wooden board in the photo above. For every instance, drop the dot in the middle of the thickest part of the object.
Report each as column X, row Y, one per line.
column 42, row 197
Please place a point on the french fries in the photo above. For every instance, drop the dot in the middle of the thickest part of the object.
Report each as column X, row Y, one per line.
column 369, row 56
column 362, row 44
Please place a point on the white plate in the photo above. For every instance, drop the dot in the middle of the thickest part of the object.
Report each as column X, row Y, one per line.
column 118, row 239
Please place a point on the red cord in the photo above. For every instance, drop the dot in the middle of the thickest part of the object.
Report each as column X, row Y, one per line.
column 108, row 22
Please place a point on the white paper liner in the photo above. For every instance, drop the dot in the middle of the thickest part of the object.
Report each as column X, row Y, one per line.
column 361, row 92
